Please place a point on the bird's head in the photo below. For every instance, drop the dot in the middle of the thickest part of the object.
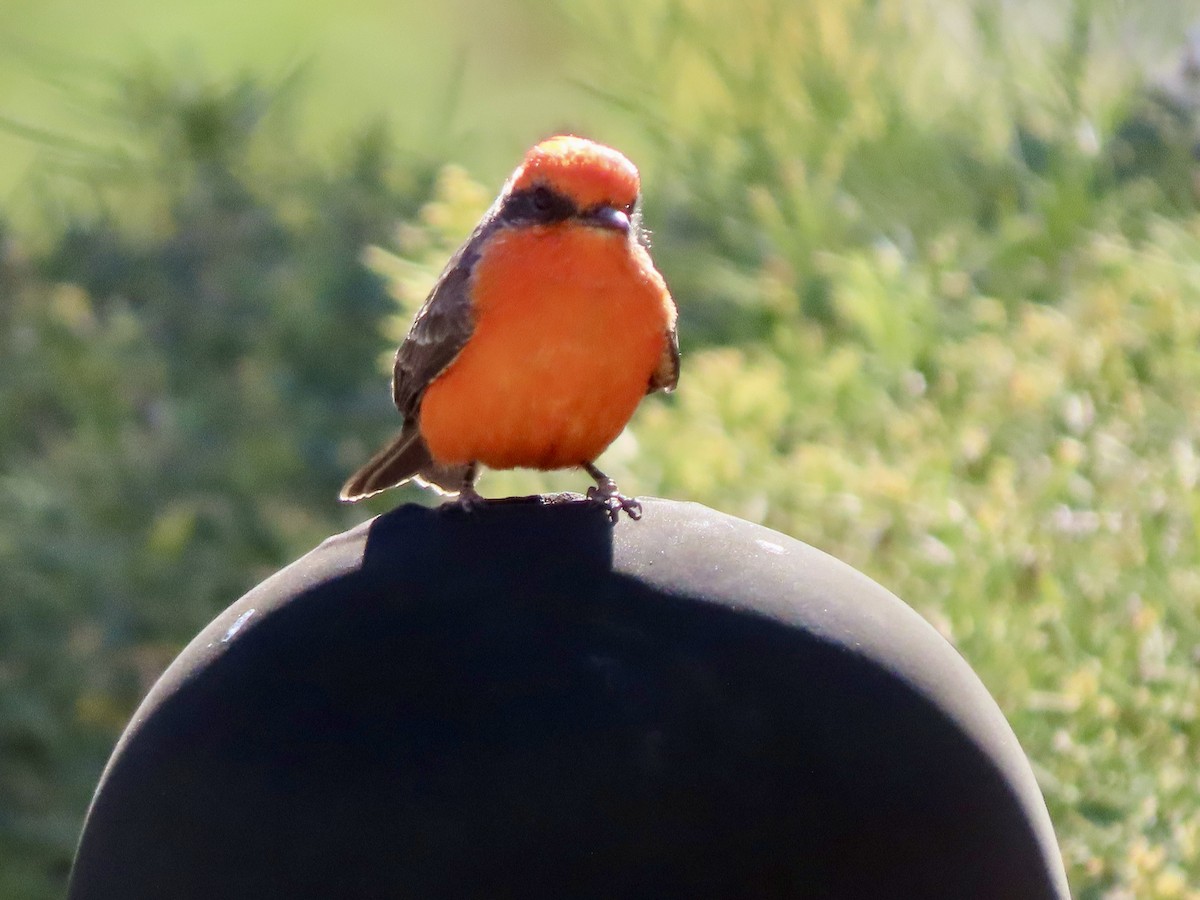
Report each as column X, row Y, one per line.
column 568, row 178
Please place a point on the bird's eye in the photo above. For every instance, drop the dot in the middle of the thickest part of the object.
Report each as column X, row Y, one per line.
column 629, row 208
column 542, row 199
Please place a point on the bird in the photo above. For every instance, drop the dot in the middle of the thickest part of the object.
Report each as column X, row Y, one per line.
column 540, row 337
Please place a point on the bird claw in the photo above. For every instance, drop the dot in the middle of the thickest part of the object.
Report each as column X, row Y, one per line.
column 606, row 494
column 470, row 499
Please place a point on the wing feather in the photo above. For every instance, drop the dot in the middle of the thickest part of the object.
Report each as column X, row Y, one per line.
column 442, row 326
column 666, row 374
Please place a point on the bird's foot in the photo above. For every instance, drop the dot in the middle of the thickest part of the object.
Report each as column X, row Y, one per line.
column 470, row 499
column 606, row 494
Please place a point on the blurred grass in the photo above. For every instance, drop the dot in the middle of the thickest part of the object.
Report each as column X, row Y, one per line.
column 457, row 79
column 939, row 272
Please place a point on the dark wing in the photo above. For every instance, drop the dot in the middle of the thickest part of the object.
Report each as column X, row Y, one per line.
column 444, row 322
column 666, row 374
column 440, row 330
column 438, row 333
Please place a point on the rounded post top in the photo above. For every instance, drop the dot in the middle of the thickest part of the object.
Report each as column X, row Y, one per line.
column 525, row 700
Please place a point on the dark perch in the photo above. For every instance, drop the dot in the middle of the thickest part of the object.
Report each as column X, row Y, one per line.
column 526, row 701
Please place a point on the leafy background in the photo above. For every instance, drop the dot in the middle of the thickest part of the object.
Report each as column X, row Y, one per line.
column 939, row 271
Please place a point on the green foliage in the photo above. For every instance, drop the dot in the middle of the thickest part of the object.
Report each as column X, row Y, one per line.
column 167, row 399
column 940, row 295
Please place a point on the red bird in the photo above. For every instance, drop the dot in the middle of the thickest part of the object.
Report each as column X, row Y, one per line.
column 540, row 338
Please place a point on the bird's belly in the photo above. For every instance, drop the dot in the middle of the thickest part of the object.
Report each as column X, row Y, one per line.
column 555, row 366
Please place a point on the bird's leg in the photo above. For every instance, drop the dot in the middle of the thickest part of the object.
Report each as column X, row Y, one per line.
column 606, row 493
column 468, row 497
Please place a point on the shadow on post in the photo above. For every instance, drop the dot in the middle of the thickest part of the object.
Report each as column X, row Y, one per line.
column 525, row 701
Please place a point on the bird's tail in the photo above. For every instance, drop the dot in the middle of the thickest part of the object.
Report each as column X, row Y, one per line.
column 404, row 457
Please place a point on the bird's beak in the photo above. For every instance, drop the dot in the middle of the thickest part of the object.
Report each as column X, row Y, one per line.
column 607, row 217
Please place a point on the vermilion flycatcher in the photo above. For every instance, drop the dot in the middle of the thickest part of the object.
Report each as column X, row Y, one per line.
column 541, row 336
